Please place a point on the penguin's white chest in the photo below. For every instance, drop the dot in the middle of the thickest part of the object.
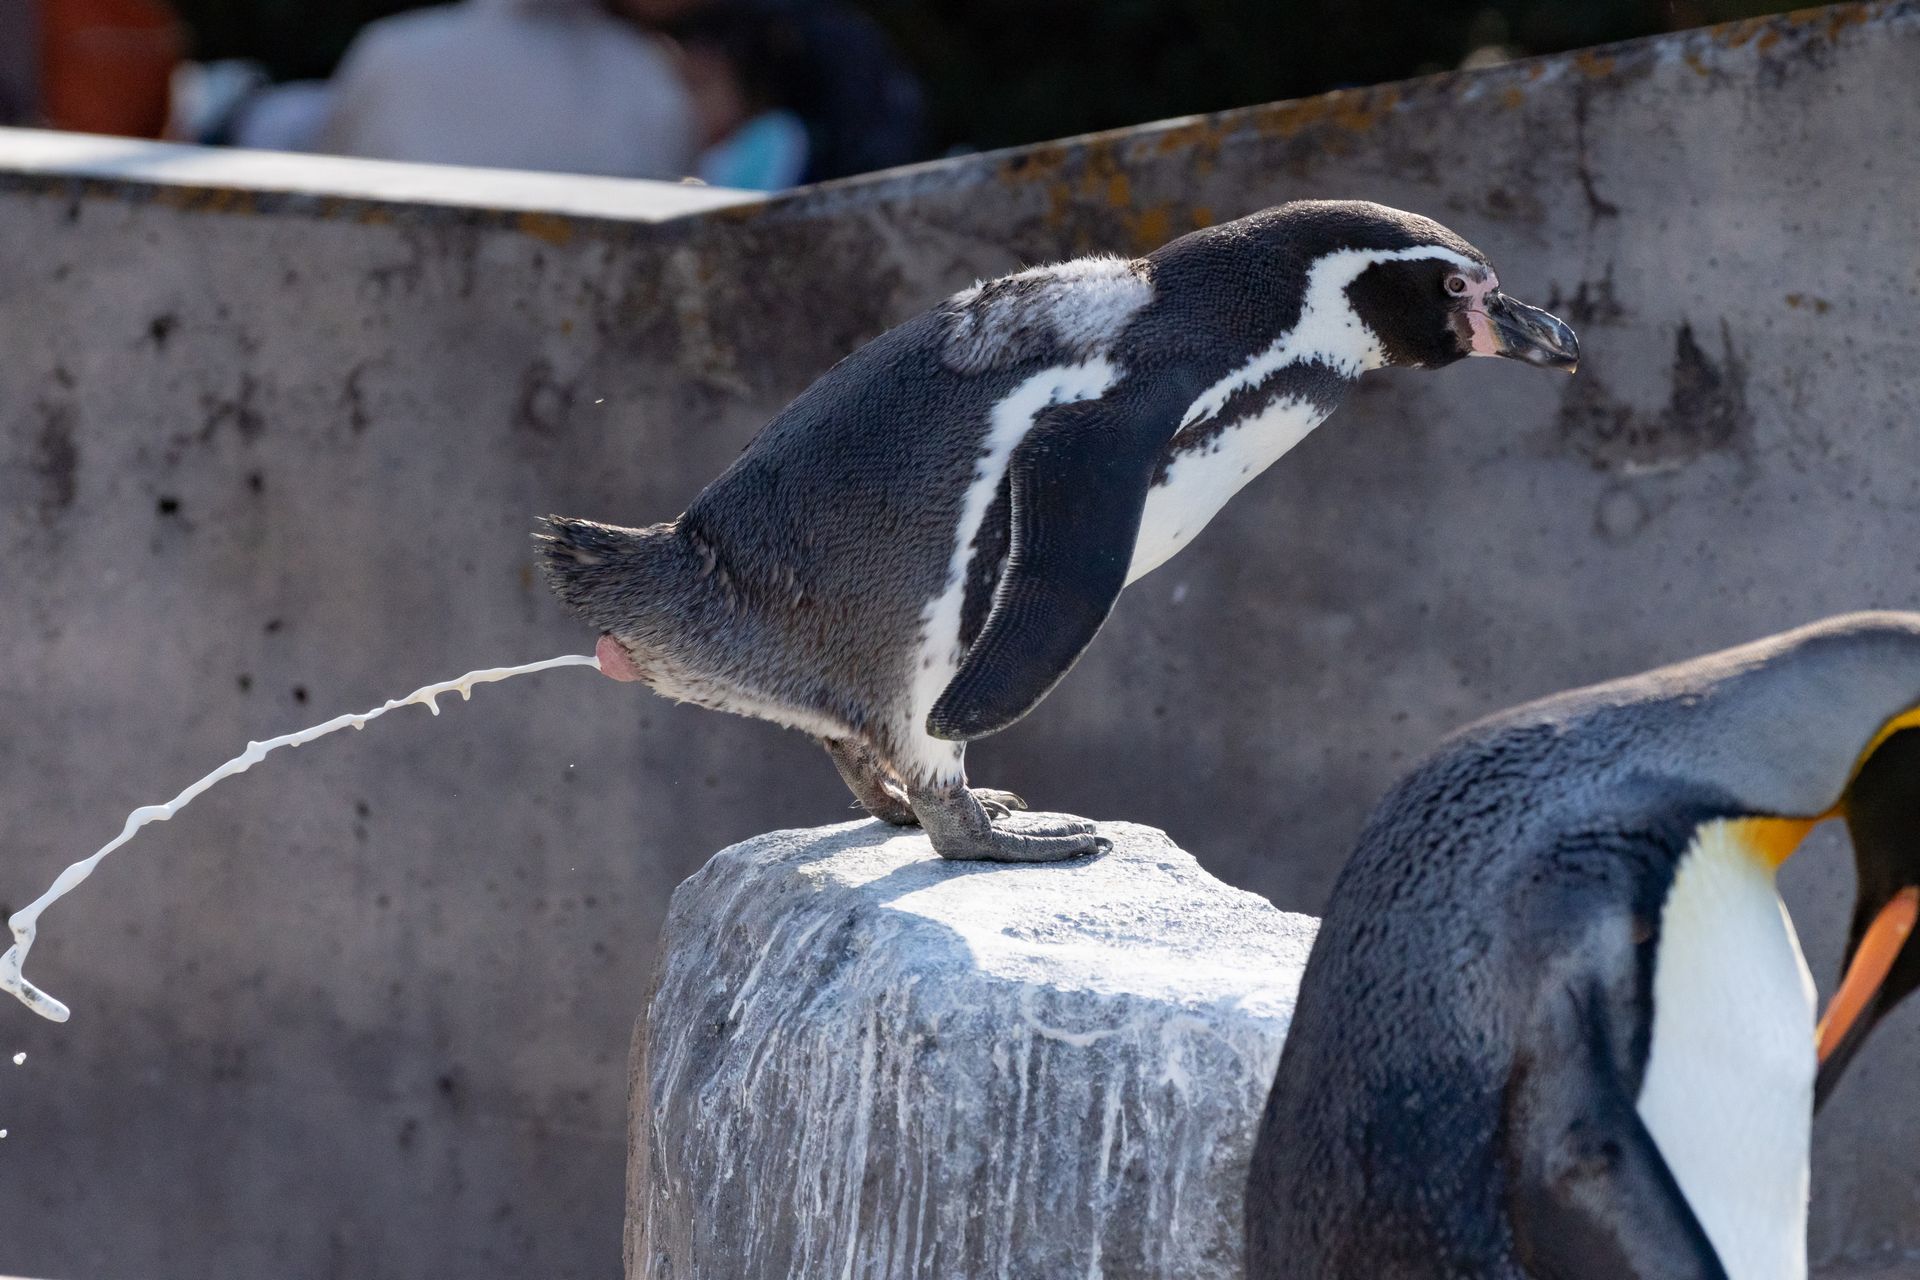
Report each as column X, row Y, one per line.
column 1728, row 1093
column 1203, row 477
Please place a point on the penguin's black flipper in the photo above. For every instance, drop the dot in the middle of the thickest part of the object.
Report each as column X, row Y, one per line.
column 1079, row 483
column 1592, row 1198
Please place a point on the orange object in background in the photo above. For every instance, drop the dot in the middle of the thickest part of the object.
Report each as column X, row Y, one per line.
column 105, row 64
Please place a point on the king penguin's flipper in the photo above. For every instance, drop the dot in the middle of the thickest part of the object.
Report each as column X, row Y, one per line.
column 1078, row 483
column 1592, row 1197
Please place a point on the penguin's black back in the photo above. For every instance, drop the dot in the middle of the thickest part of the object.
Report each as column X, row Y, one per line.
column 836, row 521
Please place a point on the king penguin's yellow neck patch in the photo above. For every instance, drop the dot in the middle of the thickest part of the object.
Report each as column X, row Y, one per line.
column 1769, row 841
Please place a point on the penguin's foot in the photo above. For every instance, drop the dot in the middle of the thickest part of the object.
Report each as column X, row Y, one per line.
column 877, row 788
column 871, row 782
column 998, row 804
column 962, row 826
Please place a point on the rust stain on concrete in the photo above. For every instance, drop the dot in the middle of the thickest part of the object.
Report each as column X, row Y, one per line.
column 1202, row 135
column 550, row 228
column 1152, row 228
column 1593, row 64
column 1353, row 110
column 1825, row 23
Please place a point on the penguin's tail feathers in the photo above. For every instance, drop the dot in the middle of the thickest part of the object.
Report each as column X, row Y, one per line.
column 609, row 577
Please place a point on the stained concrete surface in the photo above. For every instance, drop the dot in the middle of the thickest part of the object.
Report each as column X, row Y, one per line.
column 861, row 1060
column 267, row 456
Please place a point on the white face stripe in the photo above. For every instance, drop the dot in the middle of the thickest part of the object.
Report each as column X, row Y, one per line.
column 939, row 653
column 1328, row 329
column 1728, row 1091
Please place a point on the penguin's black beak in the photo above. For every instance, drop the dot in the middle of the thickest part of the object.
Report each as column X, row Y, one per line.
column 1521, row 332
column 1882, row 965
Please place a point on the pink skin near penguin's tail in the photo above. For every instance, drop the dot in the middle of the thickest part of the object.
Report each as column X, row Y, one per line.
column 615, row 660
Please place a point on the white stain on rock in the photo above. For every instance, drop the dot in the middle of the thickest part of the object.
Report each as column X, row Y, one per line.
column 862, row 1061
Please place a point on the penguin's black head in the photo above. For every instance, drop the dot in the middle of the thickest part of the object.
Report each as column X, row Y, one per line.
column 1429, row 312
column 1423, row 295
column 1882, row 809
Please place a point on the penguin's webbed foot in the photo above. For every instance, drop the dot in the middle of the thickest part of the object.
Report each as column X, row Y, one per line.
column 1038, row 837
column 963, row 826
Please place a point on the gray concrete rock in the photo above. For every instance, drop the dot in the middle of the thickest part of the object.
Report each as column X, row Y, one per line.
column 860, row 1061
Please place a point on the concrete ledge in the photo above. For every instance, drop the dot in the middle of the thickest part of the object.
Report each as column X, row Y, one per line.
column 862, row 1061
column 251, row 178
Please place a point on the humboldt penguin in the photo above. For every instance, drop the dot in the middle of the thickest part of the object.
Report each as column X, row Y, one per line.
column 915, row 551
column 1556, row 1023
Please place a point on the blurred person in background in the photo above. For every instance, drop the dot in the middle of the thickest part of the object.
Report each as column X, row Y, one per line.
column 560, row 85
column 233, row 103
column 741, row 75
column 759, row 68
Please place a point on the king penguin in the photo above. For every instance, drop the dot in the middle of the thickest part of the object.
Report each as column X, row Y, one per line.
column 1556, row 1023
column 915, row 551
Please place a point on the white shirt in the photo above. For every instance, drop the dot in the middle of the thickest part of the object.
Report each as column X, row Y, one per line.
column 558, row 85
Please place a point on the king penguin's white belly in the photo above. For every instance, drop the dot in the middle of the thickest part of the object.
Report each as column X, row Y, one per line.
column 1201, row 480
column 1728, row 1094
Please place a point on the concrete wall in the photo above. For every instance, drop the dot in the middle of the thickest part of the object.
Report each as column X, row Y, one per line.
column 266, row 456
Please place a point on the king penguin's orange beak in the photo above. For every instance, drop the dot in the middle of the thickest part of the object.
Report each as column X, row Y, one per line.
column 1882, row 808
column 1879, row 947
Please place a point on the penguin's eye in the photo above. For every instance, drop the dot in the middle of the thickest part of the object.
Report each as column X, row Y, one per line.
column 1456, row 284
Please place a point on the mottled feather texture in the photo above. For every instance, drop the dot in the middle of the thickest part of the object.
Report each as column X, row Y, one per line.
column 1067, row 313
